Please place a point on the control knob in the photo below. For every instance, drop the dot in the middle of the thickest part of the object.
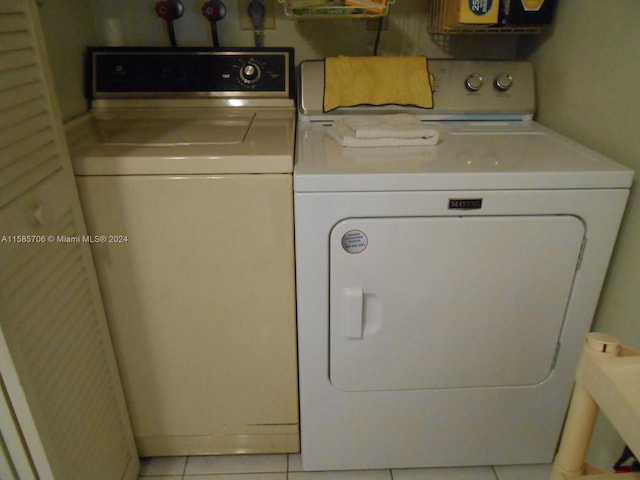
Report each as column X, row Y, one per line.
column 474, row 82
column 503, row 82
column 250, row 73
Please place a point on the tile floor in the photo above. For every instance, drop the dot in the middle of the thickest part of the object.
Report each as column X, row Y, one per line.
column 289, row 467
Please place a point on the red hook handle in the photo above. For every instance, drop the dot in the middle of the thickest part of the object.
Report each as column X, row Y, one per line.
column 211, row 11
column 165, row 10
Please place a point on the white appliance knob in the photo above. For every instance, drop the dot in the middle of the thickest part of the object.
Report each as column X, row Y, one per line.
column 503, row 82
column 474, row 82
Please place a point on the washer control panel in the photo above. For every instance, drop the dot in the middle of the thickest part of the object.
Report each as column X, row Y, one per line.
column 124, row 72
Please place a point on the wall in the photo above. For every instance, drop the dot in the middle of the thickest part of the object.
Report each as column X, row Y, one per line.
column 406, row 34
column 68, row 27
column 587, row 77
column 72, row 25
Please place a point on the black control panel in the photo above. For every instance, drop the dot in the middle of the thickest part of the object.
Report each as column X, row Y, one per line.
column 126, row 72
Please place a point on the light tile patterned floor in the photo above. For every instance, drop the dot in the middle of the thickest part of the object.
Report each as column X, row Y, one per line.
column 289, row 467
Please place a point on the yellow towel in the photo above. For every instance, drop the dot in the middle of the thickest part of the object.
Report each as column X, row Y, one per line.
column 353, row 81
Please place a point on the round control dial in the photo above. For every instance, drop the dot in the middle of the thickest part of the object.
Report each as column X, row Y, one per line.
column 250, row 73
column 474, row 82
column 503, row 82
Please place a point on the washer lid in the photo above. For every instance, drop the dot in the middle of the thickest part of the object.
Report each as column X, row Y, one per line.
column 157, row 132
column 181, row 142
column 469, row 156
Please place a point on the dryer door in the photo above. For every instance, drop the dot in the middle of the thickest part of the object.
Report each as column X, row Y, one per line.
column 449, row 302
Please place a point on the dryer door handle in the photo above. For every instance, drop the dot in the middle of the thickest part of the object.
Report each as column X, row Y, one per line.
column 354, row 320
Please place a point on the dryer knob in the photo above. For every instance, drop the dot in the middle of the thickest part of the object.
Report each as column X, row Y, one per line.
column 503, row 82
column 474, row 82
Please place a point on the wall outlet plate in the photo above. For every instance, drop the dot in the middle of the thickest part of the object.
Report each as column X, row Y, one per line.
column 269, row 17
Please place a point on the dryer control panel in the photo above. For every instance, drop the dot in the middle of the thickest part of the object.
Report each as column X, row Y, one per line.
column 462, row 90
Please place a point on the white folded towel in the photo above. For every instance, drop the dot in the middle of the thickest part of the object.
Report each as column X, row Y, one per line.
column 394, row 130
column 399, row 125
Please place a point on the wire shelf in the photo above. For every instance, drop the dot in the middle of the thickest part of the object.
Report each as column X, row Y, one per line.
column 332, row 9
column 440, row 23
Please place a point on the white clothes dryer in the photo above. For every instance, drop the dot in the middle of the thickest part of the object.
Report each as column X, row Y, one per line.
column 443, row 292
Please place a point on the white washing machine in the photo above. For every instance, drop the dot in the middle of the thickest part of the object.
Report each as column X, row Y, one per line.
column 184, row 168
column 443, row 292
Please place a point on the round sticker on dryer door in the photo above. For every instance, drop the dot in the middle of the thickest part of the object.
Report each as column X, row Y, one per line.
column 354, row 241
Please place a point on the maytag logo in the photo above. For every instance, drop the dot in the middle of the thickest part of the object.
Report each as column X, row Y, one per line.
column 465, row 203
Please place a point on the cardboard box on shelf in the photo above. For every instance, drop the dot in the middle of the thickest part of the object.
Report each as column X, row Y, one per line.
column 475, row 12
column 526, row 12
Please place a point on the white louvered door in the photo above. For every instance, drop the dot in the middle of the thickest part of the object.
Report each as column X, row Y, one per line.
column 62, row 412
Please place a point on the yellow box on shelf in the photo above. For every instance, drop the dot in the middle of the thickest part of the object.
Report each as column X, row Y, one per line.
column 483, row 12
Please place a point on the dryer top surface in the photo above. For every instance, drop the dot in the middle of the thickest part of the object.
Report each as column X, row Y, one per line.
column 484, row 155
